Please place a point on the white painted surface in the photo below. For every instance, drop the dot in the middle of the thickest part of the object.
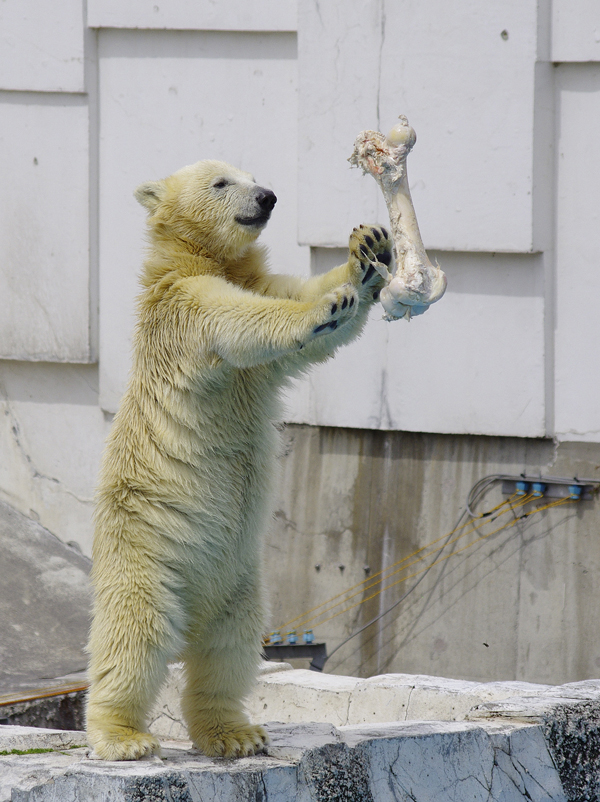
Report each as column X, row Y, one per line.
column 229, row 96
column 578, row 254
column 451, row 370
column 575, row 30
column 338, row 67
column 200, row 15
column 41, row 45
column 467, row 91
column 44, row 224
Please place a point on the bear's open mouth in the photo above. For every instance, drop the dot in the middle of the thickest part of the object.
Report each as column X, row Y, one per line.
column 258, row 220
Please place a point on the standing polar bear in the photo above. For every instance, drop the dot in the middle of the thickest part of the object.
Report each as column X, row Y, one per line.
column 186, row 477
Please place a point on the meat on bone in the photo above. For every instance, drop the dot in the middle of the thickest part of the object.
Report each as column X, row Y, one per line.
column 416, row 283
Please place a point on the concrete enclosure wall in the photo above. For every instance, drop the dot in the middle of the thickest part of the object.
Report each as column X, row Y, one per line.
column 98, row 96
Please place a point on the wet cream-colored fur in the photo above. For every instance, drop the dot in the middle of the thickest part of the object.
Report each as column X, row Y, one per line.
column 185, row 485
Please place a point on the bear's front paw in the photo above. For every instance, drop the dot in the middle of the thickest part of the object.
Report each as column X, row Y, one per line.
column 370, row 256
column 333, row 310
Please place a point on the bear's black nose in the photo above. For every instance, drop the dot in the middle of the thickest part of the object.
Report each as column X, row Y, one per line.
column 266, row 199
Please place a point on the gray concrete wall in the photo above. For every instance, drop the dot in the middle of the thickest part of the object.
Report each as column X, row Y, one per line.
column 518, row 605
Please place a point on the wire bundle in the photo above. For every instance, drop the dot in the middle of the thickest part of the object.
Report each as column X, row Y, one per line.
column 343, row 602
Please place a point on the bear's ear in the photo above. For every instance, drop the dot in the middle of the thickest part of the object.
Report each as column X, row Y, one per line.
column 150, row 194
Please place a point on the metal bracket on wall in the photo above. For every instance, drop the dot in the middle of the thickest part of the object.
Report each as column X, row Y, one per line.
column 318, row 652
column 550, row 487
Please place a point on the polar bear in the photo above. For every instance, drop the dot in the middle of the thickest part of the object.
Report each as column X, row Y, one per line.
column 186, row 477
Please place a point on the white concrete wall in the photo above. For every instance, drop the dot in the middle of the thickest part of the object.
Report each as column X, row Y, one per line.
column 97, row 97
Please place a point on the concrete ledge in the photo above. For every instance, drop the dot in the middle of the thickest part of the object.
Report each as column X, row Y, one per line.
column 287, row 695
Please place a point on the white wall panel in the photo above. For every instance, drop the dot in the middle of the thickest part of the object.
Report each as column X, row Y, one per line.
column 41, row 45
column 575, row 30
column 474, row 363
column 201, row 15
column 44, row 251
column 578, row 254
column 464, row 74
column 338, row 69
column 168, row 99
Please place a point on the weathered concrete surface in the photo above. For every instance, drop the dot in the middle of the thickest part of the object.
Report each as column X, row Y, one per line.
column 44, row 603
column 517, row 606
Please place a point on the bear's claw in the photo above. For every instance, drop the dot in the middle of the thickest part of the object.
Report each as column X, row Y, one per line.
column 371, row 252
column 339, row 308
column 124, row 743
column 229, row 741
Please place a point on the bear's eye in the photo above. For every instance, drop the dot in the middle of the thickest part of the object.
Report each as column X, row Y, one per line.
column 221, row 183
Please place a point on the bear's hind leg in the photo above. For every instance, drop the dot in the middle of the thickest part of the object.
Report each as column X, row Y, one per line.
column 127, row 669
column 219, row 675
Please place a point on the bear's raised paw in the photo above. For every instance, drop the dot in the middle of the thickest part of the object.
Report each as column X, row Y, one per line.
column 370, row 255
column 335, row 309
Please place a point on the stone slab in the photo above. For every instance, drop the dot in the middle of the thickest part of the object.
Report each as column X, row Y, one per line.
column 23, row 738
column 401, row 762
column 291, row 695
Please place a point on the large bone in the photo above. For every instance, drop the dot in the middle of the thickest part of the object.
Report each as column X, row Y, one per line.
column 416, row 283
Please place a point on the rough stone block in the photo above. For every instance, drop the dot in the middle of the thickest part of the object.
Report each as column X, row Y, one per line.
column 301, row 696
column 23, row 738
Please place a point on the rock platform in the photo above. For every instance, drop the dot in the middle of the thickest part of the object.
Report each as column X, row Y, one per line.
column 472, row 741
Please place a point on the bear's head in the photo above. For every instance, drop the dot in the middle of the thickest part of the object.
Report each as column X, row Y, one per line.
column 209, row 204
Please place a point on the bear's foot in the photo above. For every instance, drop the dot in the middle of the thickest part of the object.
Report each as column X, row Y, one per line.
column 116, row 742
column 230, row 739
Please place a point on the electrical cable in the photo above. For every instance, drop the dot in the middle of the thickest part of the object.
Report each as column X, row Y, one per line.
column 318, row 663
column 368, row 583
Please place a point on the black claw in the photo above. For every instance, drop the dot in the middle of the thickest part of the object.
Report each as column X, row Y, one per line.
column 363, row 266
column 333, row 324
column 385, row 258
column 351, row 304
column 370, row 242
column 364, row 250
column 384, row 232
column 376, row 234
column 344, row 302
column 376, row 295
column 333, row 309
column 321, row 327
column 368, row 274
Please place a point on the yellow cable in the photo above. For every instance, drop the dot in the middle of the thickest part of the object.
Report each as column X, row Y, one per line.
column 447, row 557
column 302, row 619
